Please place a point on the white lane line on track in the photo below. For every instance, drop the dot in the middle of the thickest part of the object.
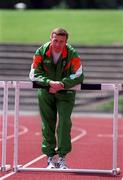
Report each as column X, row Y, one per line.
column 23, row 131
column 81, row 134
column 108, row 136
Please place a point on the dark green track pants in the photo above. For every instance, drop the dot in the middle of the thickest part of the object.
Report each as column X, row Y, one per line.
column 51, row 104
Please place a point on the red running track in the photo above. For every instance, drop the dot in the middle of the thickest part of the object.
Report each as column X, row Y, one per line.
column 91, row 142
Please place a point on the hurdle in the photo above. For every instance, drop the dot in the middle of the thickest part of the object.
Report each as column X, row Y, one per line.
column 4, row 85
column 18, row 85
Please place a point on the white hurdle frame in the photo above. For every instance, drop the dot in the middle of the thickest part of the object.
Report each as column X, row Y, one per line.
column 104, row 87
column 4, row 85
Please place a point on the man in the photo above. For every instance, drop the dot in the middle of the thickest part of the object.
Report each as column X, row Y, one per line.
column 56, row 66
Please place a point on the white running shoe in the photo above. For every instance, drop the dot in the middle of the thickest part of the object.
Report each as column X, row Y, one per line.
column 61, row 163
column 51, row 163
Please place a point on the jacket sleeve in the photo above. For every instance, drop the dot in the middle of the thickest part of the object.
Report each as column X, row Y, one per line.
column 76, row 75
column 37, row 72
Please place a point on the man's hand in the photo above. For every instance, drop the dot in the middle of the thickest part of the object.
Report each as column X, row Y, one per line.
column 55, row 86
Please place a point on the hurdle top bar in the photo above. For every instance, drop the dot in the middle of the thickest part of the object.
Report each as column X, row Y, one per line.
column 85, row 86
column 3, row 84
column 82, row 86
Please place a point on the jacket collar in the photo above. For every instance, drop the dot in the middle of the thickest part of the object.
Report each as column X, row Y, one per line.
column 64, row 52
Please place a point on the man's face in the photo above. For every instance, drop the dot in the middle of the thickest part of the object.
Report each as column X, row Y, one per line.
column 58, row 42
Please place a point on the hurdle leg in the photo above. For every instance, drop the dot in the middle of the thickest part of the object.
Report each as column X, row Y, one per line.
column 4, row 166
column 115, row 130
column 16, row 125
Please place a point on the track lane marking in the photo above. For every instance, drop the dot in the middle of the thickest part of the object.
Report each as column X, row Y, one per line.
column 22, row 132
column 83, row 132
column 108, row 136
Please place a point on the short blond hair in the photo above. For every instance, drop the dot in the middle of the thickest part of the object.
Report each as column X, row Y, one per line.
column 60, row 31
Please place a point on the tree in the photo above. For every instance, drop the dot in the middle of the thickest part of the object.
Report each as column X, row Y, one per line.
column 98, row 4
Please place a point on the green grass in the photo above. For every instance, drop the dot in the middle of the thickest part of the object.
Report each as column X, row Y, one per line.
column 109, row 105
column 84, row 26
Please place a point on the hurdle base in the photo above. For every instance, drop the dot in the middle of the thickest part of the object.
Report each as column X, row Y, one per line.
column 5, row 168
column 116, row 171
column 113, row 172
column 16, row 168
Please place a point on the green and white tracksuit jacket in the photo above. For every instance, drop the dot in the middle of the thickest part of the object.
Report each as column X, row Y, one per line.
column 68, row 70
